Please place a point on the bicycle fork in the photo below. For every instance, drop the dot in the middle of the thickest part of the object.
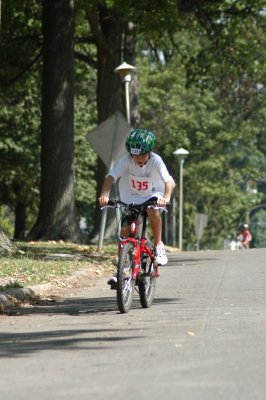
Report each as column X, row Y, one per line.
column 148, row 253
column 135, row 254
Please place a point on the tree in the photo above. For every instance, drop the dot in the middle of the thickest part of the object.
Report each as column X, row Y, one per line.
column 57, row 214
column 106, row 29
column 189, row 108
column 20, row 112
column 6, row 246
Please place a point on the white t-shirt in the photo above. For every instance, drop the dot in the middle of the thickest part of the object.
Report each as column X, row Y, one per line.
column 138, row 184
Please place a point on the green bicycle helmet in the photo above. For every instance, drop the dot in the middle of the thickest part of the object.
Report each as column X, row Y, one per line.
column 140, row 141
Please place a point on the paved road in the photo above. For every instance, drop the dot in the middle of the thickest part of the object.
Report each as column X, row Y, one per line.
column 203, row 339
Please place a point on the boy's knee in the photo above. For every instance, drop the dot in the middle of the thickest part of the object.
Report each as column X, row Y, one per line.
column 153, row 213
column 124, row 231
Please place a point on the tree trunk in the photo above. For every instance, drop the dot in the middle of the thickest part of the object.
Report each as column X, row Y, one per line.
column 107, row 28
column 6, row 246
column 20, row 210
column 20, row 220
column 57, row 214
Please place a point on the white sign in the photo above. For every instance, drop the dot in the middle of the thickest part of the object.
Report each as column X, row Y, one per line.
column 200, row 222
column 108, row 138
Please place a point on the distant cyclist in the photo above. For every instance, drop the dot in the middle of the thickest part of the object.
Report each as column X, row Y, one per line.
column 143, row 175
column 245, row 236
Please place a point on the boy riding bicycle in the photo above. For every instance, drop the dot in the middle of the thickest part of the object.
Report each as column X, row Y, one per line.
column 143, row 175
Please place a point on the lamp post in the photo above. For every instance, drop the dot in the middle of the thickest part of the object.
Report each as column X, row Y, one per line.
column 125, row 72
column 181, row 154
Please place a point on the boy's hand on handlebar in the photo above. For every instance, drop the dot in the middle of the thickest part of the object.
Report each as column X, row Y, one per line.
column 162, row 202
column 103, row 201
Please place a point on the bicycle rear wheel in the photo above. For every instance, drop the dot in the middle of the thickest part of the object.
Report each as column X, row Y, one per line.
column 147, row 286
column 125, row 283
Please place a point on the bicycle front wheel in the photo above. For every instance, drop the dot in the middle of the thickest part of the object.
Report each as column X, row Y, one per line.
column 125, row 283
column 147, row 287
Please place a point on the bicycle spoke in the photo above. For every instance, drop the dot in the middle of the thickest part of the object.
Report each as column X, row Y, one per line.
column 125, row 284
column 147, row 285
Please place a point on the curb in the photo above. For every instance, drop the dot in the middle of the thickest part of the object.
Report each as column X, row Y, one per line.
column 14, row 296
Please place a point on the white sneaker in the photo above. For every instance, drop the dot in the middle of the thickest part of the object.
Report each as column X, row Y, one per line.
column 112, row 281
column 160, row 256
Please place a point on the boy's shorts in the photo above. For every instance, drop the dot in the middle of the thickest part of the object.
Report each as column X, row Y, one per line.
column 125, row 219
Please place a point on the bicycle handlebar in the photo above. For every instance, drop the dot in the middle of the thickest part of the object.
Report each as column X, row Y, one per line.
column 115, row 203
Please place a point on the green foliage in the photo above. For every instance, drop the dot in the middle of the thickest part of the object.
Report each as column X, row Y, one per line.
column 224, row 151
column 19, row 148
column 20, row 106
column 258, row 228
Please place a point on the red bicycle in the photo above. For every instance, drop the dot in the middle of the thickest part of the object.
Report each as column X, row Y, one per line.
column 136, row 268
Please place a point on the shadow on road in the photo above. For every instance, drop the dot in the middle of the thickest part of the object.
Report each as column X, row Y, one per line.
column 80, row 306
column 21, row 344
column 74, row 306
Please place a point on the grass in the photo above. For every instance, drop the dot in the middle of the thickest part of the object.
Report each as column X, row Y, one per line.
column 44, row 262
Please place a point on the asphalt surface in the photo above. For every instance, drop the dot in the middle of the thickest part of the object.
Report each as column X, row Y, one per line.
column 204, row 338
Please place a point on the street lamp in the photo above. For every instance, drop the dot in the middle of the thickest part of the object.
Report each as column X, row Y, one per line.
column 181, row 154
column 125, row 72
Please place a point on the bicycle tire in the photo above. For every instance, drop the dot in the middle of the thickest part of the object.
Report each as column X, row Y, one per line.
column 147, row 287
column 125, row 283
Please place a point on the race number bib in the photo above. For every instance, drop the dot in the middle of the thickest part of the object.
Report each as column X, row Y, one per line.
column 140, row 185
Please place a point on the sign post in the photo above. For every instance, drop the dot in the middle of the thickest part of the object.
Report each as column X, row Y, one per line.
column 201, row 221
